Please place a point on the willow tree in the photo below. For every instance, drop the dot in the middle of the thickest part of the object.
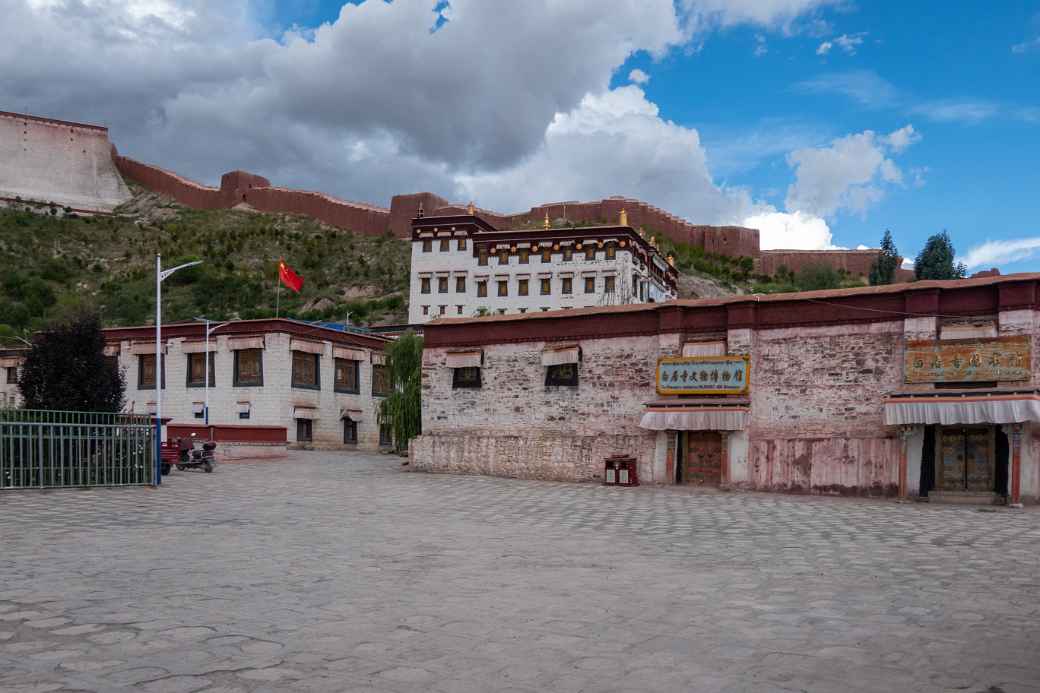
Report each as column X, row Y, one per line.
column 401, row 410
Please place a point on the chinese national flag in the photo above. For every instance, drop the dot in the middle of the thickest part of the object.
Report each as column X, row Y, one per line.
column 288, row 277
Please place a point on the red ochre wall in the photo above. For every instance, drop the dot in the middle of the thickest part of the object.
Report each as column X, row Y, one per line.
column 238, row 187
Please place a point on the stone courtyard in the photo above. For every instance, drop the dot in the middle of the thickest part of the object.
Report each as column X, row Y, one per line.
column 342, row 572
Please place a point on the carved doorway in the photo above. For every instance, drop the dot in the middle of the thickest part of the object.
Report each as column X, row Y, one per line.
column 702, row 464
column 965, row 460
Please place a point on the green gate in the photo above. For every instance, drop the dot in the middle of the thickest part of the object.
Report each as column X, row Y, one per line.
column 67, row 449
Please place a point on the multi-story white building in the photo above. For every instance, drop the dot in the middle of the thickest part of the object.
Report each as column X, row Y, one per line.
column 322, row 385
column 10, row 368
column 464, row 266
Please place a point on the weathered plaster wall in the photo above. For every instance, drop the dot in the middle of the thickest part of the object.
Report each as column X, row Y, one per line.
column 53, row 161
column 856, row 262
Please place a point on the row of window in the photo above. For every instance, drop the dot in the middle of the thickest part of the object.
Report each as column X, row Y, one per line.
column 562, row 375
column 523, row 255
column 523, row 285
column 249, row 372
column 443, row 310
column 305, row 432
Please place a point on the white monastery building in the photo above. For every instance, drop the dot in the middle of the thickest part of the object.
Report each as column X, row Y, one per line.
column 269, row 379
column 464, row 266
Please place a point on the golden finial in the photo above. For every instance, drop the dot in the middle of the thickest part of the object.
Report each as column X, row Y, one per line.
column 471, row 209
column 546, row 224
column 623, row 218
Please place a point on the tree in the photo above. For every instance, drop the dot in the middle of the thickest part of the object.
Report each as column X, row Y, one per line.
column 66, row 369
column 818, row 276
column 935, row 261
column 883, row 270
column 402, row 408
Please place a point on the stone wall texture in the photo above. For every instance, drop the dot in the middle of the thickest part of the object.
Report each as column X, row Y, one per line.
column 856, row 262
column 54, row 161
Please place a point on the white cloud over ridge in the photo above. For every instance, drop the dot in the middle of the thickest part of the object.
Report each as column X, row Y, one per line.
column 995, row 253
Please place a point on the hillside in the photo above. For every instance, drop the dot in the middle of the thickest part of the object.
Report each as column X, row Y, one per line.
column 55, row 265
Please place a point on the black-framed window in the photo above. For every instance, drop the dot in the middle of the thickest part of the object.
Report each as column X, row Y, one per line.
column 386, row 435
column 304, row 430
column 547, row 255
column 445, row 244
column 462, row 244
column 146, row 372
column 503, row 256
column 249, row 368
column 562, row 375
column 349, row 431
column 196, row 376
column 590, row 285
column 460, row 285
column 567, row 285
column 611, row 251
column 481, row 289
column 427, row 245
column 568, row 253
column 522, row 287
column 467, row 377
column 525, row 256
column 458, row 310
column 306, row 370
column 608, row 285
column 503, row 287
column 381, row 385
column 546, row 286
column 425, row 310
column 442, row 285
column 12, row 375
column 346, row 376
column 424, row 285
column 482, row 256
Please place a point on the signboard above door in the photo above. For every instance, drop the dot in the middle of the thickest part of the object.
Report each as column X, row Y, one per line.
column 969, row 360
column 703, row 375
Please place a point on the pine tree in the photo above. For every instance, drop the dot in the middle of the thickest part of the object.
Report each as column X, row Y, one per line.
column 936, row 259
column 883, row 271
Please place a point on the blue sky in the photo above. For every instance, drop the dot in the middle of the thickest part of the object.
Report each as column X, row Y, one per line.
column 950, row 71
column 821, row 122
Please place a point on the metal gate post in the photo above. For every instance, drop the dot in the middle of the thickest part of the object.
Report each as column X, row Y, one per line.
column 158, row 452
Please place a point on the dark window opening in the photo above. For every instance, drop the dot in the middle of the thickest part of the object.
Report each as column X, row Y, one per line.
column 146, row 372
column 445, row 244
column 306, row 370
column 442, row 285
column 304, row 431
column 562, row 375
column 386, row 435
column 380, row 380
column 468, row 377
column 346, row 376
column 197, row 370
column 349, row 432
column 427, row 245
column 249, row 368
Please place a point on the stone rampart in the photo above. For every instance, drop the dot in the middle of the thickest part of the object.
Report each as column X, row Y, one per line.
column 58, row 162
column 855, row 262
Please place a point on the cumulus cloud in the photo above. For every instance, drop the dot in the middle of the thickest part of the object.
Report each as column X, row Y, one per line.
column 849, row 174
column 637, row 76
column 790, row 230
column 994, row 253
column 824, row 48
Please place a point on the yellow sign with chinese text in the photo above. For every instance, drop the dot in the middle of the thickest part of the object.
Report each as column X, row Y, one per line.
column 703, row 375
column 969, row 360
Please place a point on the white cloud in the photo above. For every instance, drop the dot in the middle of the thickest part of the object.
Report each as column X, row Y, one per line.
column 849, row 43
column 824, row 48
column 1026, row 46
column 637, row 76
column 863, row 86
column 779, row 15
column 994, row 253
column 967, row 111
column 790, row 231
column 760, row 46
column 849, row 174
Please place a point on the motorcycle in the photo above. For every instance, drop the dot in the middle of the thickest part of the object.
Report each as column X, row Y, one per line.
column 192, row 457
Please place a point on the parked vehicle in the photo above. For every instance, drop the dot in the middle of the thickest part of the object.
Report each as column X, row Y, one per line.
column 192, row 456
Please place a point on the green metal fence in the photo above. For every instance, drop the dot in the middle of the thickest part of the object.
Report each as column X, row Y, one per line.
column 62, row 449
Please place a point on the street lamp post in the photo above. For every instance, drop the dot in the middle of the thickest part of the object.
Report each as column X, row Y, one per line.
column 160, row 276
column 209, row 331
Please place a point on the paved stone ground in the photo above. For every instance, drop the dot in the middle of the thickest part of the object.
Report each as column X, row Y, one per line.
column 333, row 572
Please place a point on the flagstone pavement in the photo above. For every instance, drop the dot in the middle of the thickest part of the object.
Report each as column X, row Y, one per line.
column 343, row 572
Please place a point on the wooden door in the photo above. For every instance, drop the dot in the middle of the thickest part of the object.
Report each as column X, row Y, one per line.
column 966, row 459
column 703, row 464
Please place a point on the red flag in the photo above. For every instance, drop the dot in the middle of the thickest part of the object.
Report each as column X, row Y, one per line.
column 288, row 277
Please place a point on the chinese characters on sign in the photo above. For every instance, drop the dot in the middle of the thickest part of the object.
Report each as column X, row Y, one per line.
column 969, row 360
column 703, row 375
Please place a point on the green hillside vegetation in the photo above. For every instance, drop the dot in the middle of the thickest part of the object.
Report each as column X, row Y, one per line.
column 56, row 265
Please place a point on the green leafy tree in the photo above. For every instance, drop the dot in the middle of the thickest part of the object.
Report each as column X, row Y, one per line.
column 66, row 369
column 936, row 259
column 402, row 408
column 883, row 271
column 816, row 277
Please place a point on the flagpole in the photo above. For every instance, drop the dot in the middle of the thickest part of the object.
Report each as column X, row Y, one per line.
column 278, row 294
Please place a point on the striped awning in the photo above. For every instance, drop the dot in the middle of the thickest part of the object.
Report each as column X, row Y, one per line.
column 465, row 359
column 704, row 414
column 559, row 354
